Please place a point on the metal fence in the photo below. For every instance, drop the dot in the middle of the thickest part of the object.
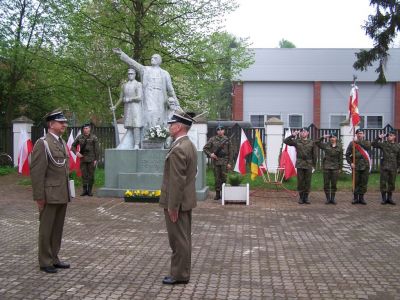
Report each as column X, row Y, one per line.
column 6, row 140
column 105, row 134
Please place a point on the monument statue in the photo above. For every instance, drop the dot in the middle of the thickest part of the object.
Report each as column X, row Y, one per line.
column 158, row 93
column 132, row 97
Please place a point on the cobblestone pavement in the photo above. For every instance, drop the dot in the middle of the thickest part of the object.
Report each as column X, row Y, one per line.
column 272, row 249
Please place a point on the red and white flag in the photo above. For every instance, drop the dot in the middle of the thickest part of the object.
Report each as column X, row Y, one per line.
column 24, row 149
column 365, row 154
column 72, row 156
column 288, row 159
column 244, row 150
column 353, row 106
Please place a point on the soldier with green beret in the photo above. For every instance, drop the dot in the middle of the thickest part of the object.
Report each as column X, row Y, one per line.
column 390, row 151
column 219, row 149
column 305, row 161
column 89, row 155
column 361, row 166
column 331, row 164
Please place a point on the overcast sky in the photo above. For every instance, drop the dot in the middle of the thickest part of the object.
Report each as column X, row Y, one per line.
column 306, row 23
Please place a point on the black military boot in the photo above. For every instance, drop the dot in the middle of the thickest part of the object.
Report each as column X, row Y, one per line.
column 84, row 190
column 362, row 201
column 384, row 198
column 333, row 198
column 217, row 195
column 305, row 198
column 355, row 199
column 301, row 197
column 389, row 198
column 89, row 190
column 328, row 199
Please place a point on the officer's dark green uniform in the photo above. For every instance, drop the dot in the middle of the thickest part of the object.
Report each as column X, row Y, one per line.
column 221, row 146
column 89, row 148
column 390, row 151
column 361, row 168
column 305, row 162
column 331, row 164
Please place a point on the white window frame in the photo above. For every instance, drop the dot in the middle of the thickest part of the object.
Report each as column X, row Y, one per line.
column 365, row 116
column 336, row 115
column 295, row 114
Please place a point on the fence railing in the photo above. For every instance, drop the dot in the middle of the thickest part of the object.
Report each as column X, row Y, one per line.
column 6, row 140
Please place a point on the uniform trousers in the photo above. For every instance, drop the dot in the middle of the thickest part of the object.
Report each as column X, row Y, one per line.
column 361, row 181
column 220, row 172
column 50, row 233
column 330, row 180
column 387, row 180
column 87, row 169
column 304, row 180
column 180, row 241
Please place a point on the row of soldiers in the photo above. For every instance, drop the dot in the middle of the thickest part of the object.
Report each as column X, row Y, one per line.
column 219, row 149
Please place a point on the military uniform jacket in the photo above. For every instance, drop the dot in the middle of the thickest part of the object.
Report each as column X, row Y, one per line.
column 50, row 181
column 390, row 154
column 361, row 162
column 333, row 156
column 225, row 152
column 89, row 147
column 305, row 152
column 178, row 190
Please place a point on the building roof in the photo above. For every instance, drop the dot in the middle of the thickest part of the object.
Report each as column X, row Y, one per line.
column 303, row 64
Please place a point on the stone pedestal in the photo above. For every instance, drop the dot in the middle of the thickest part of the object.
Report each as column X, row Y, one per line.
column 142, row 169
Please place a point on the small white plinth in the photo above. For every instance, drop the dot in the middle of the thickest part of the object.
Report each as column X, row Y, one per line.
column 235, row 193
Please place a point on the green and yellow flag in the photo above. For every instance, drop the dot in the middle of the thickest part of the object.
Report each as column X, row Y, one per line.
column 257, row 157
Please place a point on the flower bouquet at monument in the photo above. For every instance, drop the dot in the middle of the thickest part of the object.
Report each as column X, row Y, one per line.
column 157, row 132
column 142, row 196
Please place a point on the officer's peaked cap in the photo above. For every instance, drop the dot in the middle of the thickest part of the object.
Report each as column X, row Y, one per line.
column 182, row 117
column 56, row 115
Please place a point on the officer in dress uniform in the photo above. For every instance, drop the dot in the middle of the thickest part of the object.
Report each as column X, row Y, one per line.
column 390, row 162
column 331, row 165
column 49, row 174
column 305, row 163
column 361, row 166
column 89, row 156
column 178, row 197
column 219, row 149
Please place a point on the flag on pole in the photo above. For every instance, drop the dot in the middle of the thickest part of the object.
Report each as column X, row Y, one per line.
column 353, row 106
column 257, row 158
column 24, row 149
column 288, row 159
column 364, row 153
column 244, row 150
column 72, row 156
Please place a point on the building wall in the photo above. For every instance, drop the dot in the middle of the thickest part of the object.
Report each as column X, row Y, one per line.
column 278, row 98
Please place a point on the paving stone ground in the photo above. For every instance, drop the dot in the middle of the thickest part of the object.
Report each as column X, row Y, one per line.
column 272, row 249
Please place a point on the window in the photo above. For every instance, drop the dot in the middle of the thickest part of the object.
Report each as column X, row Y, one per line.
column 295, row 121
column 336, row 120
column 257, row 120
column 371, row 122
column 273, row 116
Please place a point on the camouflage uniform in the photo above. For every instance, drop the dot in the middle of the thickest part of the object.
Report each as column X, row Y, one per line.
column 331, row 165
column 305, row 162
column 224, row 155
column 89, row 148
column 361, row 170
column 389, row 163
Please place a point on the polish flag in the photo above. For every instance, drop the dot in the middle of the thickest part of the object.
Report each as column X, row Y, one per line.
column 72, row 156
column 244, row 150
column 353, row 106
column 25, row 148
column 288, row 159
column 78, row 160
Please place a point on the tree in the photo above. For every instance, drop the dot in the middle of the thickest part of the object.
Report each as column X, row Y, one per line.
column 382, row 28
column 286, row 44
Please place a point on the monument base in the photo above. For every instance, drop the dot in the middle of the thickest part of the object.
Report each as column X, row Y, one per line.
column 142, row 170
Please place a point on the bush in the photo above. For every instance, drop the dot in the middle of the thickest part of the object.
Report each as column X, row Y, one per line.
column 235, row 179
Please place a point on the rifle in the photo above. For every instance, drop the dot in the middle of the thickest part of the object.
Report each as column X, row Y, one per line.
column 221, row 146
column 114, row 119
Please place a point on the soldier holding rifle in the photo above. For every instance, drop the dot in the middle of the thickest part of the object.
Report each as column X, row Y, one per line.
column 219, row 149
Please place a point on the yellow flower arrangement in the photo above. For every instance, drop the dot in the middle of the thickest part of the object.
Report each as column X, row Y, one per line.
column 142, row 193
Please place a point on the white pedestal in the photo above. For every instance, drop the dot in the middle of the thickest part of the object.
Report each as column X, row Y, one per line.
column 235, row 193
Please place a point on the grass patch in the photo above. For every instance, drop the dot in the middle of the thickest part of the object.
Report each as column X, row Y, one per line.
column 7, row 170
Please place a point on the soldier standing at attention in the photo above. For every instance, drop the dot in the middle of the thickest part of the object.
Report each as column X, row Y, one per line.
column 306, row 160
column 361, row 166
column 49, row 175
column 219, row 149
column 389, row 164
column 331, row 165
column 89, row 156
